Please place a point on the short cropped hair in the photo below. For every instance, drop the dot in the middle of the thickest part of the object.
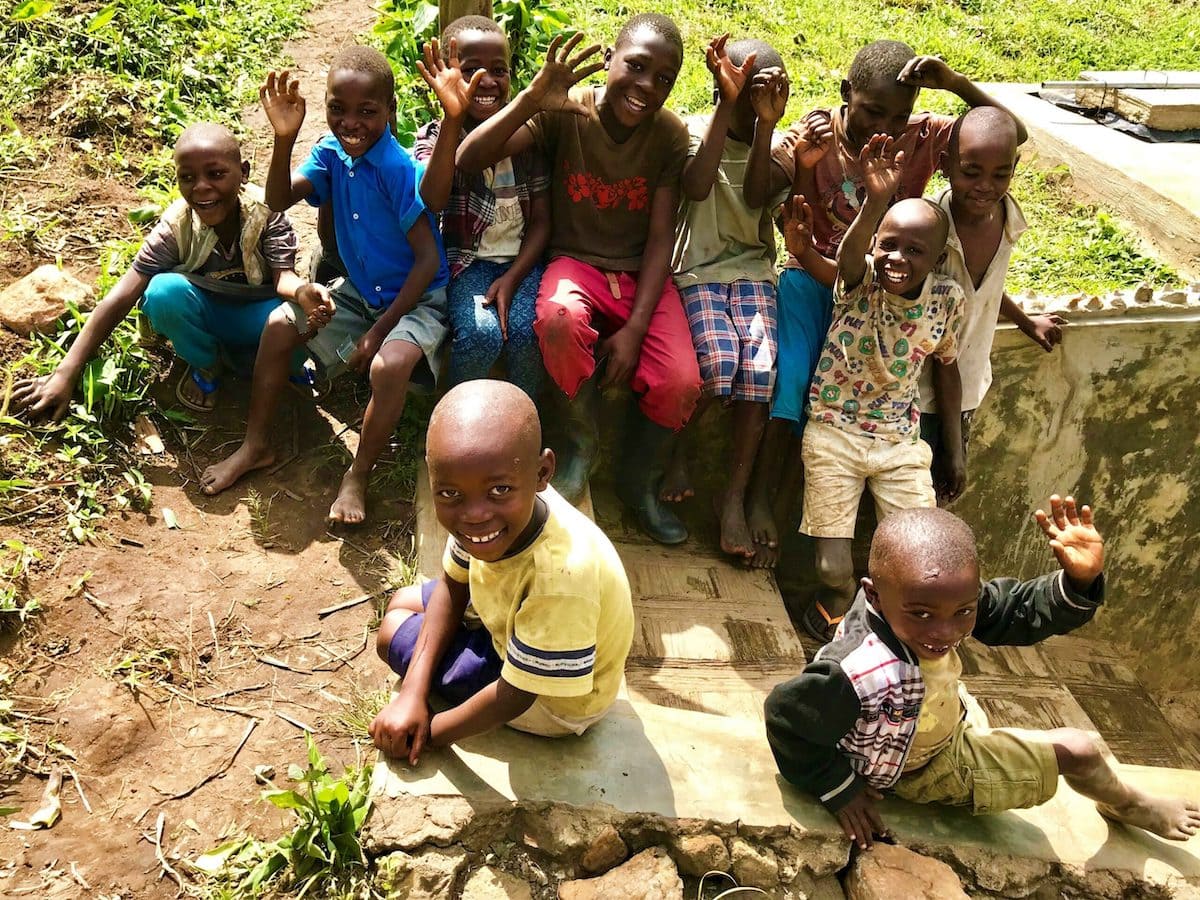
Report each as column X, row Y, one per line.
column 923, row 541
column 663, row 26
column 470, row 23
column 990, row 118
column 369, row 61
column 878, row 61
column 767, row 56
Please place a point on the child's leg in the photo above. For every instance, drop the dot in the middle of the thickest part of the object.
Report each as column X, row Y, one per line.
column 475, row 339
column 563, row 321
column 522, row 354
column 182, row 312
column 899, row 476
column 405, row 603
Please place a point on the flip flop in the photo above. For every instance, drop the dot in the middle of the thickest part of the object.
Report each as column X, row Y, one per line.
column 206, row 381
column 305, row 384
column 818, row 623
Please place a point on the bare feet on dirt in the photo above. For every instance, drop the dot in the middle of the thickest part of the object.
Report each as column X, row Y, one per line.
column 1173, row 818
column 735, row 535
column 675, row 486
column 350, row 506
column 245, row 458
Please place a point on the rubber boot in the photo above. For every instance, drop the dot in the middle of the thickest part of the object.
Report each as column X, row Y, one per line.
column 643, row 462
column 580, row 441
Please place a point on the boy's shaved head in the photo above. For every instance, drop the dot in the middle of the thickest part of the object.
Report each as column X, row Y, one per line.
column 767, row 57
column 879, row 61
column 921, row 545
column 493, row 411
column 210, row 136
column 369, row 61
column 469, row 23
column 917, row 212
column 985, row 123
column 664, row 26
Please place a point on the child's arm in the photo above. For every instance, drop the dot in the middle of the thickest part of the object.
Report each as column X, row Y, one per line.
column 426, row 262
column 947, row 391
column 700, row 171
column 313, row 298
column 284, row 106
column 882, row 167
column 402, row 727
column 1045, row 331
column 502, row 135
column 489, row 708
column 932, row 72
column 454, row 93
column 623, row 346
column 50, row 395
column 533, row 248
column 768, row 97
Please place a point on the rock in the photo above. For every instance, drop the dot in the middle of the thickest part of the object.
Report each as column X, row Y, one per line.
column 1176, row 298
column 648, row 876
column 429, row 876
column 488, row 883
column 606, row 850
column 1118, row 302
column 35, row 302
column 562, row 833
column 887, row 872
column 1074, row 302
column 753, row 867
column 1094, row 303
column 696, row 854
column 1143, row 293
column 416, row 821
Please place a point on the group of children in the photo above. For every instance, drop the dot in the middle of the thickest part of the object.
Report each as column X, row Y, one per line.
column 584, row 237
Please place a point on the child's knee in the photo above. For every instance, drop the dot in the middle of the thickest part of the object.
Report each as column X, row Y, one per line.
column 393, row 365
column 404, row 603
column 835, row 563
column 165, row 297
column 1077, row 752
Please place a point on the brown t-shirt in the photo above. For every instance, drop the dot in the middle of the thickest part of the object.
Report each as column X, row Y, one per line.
column 600, row 190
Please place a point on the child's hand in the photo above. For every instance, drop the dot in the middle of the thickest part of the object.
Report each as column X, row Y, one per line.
column 1074, row 540
column 797, row 225
column 622, row 348
column 445, row 78
column 47, row 396
column 730, row 79
column 1045, row 330
column 560, row 73
column 280, row 96
column 364, row 351
column 860, row 820
column 814, row 137
column 769, row 95
column 950, row 479
column 928, row 72
column 882, row 167
column 401, row 730
column 499, row 294
column 317, row 304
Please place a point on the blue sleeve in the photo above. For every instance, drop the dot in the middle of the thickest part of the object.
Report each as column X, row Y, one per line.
column 316, row 170
column 401, row 181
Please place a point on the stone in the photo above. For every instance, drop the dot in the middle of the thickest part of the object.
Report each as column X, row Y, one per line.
column 35, row 302
column 1074, row 302
column 1118, row 303
column 696, row 854
column 648, row 876
column 1094, row 303
column 1143, row 293
column 416, row 821
column 1175, row 298
column 490, row 883
column 564, row 833
column 753, row 866
column 606, row 850
column 888, row 871
column 428, row 876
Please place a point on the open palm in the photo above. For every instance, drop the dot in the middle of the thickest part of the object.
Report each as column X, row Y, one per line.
column 882, row 167
column 561, row 72
column 730, row 78
column 1074, row 539
column 445, row 78
column 280, row 96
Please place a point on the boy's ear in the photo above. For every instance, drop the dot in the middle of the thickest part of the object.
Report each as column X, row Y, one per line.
column 608, row 55
column 545, row 469
column 245, row 170
column 941, row 259
column 1016, row 159
column 845, row 90
column 943, row 163
column 868, row 587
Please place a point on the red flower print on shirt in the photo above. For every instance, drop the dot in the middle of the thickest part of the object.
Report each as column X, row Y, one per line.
column 584, row 186
column 578, row 186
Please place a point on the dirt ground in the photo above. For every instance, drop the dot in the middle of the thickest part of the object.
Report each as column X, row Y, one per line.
column 190, row 655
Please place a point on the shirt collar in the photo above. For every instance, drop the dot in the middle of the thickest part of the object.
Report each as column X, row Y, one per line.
column 379, row 150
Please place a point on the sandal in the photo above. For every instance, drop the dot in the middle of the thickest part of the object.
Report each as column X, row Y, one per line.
column 204, row 379
column 306, row 385
column 818, row 623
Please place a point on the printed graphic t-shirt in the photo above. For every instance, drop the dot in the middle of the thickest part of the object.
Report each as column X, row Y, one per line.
column 600, row 190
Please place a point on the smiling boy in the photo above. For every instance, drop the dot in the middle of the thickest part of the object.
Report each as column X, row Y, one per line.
column 531, row 620
column 882, row 707
column 388, row 318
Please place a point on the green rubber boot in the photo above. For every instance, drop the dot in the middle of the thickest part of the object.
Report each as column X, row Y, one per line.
column 580, row 440
column 643, row 461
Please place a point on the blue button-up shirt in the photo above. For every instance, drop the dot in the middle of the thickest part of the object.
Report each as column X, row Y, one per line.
column 375, row 202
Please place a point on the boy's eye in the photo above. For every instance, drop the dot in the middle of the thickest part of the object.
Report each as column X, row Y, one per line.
column 447, row 494
column 667, row 79
column 633, row 65
column 500, row 72
column 921, row 614
column 969, row 611
column 501, row 489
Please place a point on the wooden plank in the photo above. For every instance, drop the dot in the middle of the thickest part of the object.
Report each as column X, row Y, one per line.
column 1167, row 110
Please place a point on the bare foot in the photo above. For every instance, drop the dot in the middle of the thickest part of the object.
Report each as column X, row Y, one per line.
column 675, row 485
column 761, row 521
column 350, row 507
column 245, row 458
column 735, row 535
column 1174, row 818
column 764, row 557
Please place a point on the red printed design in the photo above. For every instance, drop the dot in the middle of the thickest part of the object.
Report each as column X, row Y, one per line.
column 634, row 193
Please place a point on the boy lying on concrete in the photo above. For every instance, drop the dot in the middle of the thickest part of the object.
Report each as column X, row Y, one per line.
column 531, row 619
column 881, row 707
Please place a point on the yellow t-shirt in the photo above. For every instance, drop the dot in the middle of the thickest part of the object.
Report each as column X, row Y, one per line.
column 559, row 611
column 940, row 713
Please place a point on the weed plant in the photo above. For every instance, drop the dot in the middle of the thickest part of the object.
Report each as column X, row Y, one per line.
column 16, row 601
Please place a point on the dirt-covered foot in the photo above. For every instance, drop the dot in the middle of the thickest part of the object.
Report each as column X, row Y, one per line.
column 735, row 534
column 350, row 507
column 764, row 557
column 676, row 485
column 245, row 458
column 1173, row 818
column 761, row 521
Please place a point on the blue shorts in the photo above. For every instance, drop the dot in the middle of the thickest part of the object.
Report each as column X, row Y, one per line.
column 805, row 312
column 469, row 664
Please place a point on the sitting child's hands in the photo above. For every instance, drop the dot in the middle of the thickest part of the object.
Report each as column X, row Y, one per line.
column 769, row 95
column 281, row 100
column 47, row 396
column 860, row 820
column 797, row 225
column 622, row 348
column 401, row 730
column 882, row 166
column 928, row 72
column 499, row 294
column 560, row 73
column 814, row 137
column 446, row 80
column 317, row 304
column 1074, row 540
column 730, row 79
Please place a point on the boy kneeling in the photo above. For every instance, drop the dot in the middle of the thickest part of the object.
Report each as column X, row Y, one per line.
column 881, row 707
column 531, row 620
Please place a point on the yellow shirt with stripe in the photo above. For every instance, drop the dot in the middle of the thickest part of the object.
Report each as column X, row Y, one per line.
column 559, row 611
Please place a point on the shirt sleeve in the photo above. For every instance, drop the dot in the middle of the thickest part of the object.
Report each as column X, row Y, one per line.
column 422, row 148
column 316, row 170
column 552, row 650
column 537, row 174
column 456, row 562
column 677, row 140
column 158, row 253
column 279, row 243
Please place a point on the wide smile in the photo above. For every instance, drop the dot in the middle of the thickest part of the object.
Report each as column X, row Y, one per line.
column 893, row 278
column 939, row 649
column 482, row 540
column 487, row 102
column 634, row 105
column 351, row 139
column 206, row 204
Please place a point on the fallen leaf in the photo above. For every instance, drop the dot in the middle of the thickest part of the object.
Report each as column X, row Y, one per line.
column 146, row 439
column 47, row 814
column 168, row 516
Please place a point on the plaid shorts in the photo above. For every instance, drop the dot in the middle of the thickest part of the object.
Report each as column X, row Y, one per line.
column 733, row 328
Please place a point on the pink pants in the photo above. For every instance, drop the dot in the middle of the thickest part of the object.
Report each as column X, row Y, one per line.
column 576, row 305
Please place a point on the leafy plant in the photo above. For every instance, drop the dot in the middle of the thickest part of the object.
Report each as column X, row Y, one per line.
column 16, row 603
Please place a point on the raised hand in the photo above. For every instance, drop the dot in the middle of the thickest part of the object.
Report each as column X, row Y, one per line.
column 769, row 95
column 280, row 96
column 1074, row 539
column 882, row 167
column 814, row 138
column 730, row 79
column 797, row 225
column 561, row 72
column 928, row 72
column 445, row 78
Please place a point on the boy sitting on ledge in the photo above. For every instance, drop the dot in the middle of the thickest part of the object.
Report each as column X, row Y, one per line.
column 531, row 619
column 881, row 707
